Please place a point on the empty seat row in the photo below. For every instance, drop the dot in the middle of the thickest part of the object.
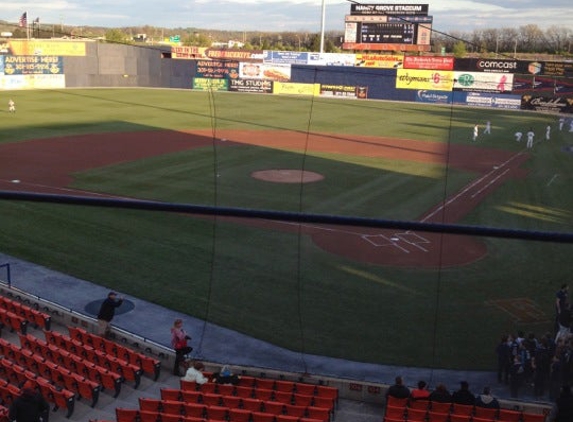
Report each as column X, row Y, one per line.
column 325, row 397
column 136, row 415
column 128, row 371
column 215, row 411
column 246, row 402
column 33, row 316
column 146, row 363
column 108, row 380
column 13, row 321
column 36, row 364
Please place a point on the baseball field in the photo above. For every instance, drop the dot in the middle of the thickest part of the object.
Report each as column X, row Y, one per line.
column 384, row 296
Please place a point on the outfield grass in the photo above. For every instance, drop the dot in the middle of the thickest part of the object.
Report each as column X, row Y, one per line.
column 266, row 283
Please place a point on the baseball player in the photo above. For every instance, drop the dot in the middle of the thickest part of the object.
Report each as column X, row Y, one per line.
column 561, row 123
column 476, row 132
column 548, row 133
column 518, row 136
column 487, row 130
column 530, row 136
column 11, row 106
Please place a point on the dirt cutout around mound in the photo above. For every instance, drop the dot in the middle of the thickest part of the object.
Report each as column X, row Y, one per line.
column 287, row 176
column 47, row 166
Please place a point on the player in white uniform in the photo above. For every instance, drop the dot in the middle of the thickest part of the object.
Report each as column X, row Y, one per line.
column 530, row 136
column 11, row 106
column 487, row 130
column 476, row 132
column 561, row 123
column 518, row 136
column 548, row 133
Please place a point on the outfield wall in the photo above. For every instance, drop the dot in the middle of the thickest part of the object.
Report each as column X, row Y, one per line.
column 506, row 83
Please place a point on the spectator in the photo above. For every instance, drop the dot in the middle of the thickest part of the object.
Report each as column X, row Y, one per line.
column 398, row 390
column 561, row 297
column 420, row 393
column 503, row 351
column 487, row 400
column 107, row 312
column 516, row 376
column 564, row 322
column 563, row 409
column 179, row 340
column 441, row 394
column 195, row 373
column 225, row 376
column 464, row 395
column 30, row 406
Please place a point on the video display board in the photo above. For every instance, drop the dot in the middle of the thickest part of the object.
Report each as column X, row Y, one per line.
column 388, row 27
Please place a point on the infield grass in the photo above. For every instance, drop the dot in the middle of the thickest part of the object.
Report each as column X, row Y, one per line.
column 275, row 285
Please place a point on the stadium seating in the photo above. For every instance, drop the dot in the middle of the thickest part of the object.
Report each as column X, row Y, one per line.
column 532, row 417
column 31, row 315
column 146, row 363
column 507, row 415
column 13, row 321
column 462, row 409
column 485, row 412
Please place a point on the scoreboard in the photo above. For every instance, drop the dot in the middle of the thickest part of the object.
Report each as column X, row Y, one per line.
column 400, row 33
column 389, row 27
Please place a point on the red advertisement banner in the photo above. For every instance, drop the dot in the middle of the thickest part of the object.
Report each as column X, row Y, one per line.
column 428, row 62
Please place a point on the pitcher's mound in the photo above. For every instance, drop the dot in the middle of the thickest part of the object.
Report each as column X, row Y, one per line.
column 287, row 176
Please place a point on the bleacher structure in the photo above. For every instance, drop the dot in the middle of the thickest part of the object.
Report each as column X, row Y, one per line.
column 80, row 366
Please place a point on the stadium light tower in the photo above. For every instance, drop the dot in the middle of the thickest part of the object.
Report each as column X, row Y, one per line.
column 322, row 22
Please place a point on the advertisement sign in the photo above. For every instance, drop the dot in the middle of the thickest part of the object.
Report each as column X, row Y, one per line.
column 484, row 99
column 558, row 69
column 331, row 59
column 483, row 82
column 428, row 62
column 434, row 97
column 552, row 104
column 217, row 69
column 30, row 65
column 274, row 72
column 239, row 55
column 208, row 84
column 1, row 65
column 46, row 48
column 291, row 88
column 424, row 79
column 38, row 81
column 188, row 52
column 383, row 61
column 286, row 57
column 347, row 91
column 251, row 85
column 499, row 66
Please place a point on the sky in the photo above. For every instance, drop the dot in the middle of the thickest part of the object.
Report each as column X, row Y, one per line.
column 280, row 16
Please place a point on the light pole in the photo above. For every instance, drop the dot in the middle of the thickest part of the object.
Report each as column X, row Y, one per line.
column 322, row 20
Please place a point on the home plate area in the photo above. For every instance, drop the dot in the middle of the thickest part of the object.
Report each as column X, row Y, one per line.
column 404, row 241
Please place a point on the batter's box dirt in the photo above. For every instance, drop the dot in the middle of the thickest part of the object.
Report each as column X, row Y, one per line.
column 379, row 239
column 522, row 310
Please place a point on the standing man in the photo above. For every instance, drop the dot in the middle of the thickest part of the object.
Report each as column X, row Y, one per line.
column 530, row 136
column 476, row 132
column 107, row 312
column 548, row 133
column 561, row 301
column 11, row 106
column 487, row 130
column 561, row 123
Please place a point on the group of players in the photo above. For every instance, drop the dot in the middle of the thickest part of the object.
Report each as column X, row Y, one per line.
column 530, row 134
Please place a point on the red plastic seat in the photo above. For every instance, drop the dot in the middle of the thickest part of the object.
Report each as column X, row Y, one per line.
column 126, row 415
column 194, row 409
column 294, row 410
column 284, row 397
column 416, row 415
column 239, row 415
column 262, row 417
column 172, row 394
column 288, row 386
column 191, row 396
column 320, row 413
column 462, row 409
column 254, row 405
column 172, row 407
column 485, row 412
column 437, row 416
column 532, row 417
column 265, row 383
column 217, row 412
column 244, row 392
column 211, row 399
column 150, row 405
column 273, row 407
column 507, row 415
column 305, row 388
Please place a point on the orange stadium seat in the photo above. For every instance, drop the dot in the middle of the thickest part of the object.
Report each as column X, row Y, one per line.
column 303, row 400
column 532, row 417
column 320, row 413
column 284, row 397
column 195, row 410
column 192, row 396
column 172, row 407
column 462, row 409
column 273, row 407
column 419, row 404
column 437, row 416
column 306, row 389
column 294, row 410
column 172, row 394
column 126, row 415
column 286, row 418
column 254, row 405
column 225, row 389
column 416, row 415
column 217, row 412
column 232, row 402
column 288, row 386
column 507, row 415
column 265, row 383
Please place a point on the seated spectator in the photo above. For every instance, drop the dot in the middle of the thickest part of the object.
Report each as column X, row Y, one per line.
column 225, row 376
column 464, row 395
column 441, row 394
column 420, row 393
column 398, row 390
column 487, row 400
column 195, row 373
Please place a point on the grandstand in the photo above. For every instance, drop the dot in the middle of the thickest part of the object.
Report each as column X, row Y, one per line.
column 148, row 388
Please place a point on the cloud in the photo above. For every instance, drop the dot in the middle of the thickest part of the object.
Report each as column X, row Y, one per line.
column 281, row 15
